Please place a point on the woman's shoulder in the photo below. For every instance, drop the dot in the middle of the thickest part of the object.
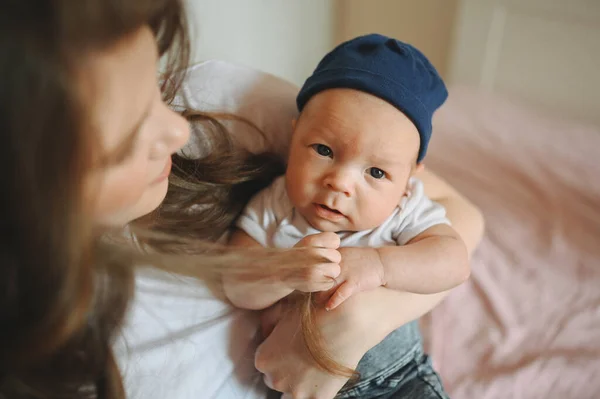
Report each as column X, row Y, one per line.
column 180, row 340
column 267, row 101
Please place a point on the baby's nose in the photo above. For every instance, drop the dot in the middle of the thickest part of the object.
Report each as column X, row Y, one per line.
column 340, row 182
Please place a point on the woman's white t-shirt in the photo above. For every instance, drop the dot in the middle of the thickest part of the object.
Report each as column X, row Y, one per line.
column 179, row 341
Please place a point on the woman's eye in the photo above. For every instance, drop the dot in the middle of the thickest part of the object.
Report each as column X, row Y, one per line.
column 377, row 173
column 323, row 150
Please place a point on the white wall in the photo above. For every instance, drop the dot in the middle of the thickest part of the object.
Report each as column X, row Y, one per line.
column 283, row 37
column 546, row 52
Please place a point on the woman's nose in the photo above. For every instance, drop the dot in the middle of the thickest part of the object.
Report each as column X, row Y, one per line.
column 174, row 134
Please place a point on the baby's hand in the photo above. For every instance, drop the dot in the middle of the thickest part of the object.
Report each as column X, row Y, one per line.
column 362, row 270
column 321, row 275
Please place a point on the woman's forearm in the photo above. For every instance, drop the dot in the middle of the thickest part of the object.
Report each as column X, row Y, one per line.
column 383, row 310
column 249, row 292
column 465, row 217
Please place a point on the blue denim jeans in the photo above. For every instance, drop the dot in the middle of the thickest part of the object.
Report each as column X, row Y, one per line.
column 396, row 368
column 414, row 379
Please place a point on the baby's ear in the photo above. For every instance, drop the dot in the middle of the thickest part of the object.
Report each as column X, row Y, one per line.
column 294, row 125
column 418, row 169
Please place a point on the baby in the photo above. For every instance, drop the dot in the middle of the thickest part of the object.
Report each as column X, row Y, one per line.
column 362, row 134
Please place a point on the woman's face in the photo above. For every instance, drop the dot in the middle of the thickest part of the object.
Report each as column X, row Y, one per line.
column 137, row 131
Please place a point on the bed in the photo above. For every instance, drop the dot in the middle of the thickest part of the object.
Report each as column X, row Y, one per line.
column 527, row 323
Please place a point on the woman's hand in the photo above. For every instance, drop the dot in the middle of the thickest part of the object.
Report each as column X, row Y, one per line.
column 317, row 268
column 319, row 276
column 284, row 359
column 349, row 331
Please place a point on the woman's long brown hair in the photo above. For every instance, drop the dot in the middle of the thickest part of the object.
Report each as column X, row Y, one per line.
column 65, row 287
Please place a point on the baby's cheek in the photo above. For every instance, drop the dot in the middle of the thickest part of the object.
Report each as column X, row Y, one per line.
column 376, row 210
column 297, row 194
column 297, row 183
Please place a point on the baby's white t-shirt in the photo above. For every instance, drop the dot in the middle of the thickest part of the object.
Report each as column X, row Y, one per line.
column 271, row 220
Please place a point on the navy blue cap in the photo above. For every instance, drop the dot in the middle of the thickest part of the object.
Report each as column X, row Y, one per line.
column 387, row 68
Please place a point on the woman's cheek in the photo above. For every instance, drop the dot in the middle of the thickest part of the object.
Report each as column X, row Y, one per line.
column 121, row 189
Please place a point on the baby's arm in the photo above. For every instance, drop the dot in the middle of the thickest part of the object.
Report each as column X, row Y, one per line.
column 434, row 261
column 256, row 291
column 430, row 256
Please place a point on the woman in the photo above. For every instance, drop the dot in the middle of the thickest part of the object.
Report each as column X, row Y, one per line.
column 87, row 150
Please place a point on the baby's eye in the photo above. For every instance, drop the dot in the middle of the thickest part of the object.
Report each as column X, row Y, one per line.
column 322, row 150
column 377, row 173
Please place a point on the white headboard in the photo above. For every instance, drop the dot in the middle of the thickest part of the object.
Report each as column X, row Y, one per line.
column 544, row 51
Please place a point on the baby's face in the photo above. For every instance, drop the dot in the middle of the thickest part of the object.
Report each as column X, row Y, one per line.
column 350, row 160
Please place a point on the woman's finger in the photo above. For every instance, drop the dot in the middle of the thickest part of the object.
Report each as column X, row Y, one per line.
column 315, row 286
column 330, row 270
column 332, row 255
column 321, row 277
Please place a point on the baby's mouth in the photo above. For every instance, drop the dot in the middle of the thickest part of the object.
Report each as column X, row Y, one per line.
column 330, row 209
column 328, row 213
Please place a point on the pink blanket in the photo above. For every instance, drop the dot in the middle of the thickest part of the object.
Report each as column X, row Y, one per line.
column 527, row 324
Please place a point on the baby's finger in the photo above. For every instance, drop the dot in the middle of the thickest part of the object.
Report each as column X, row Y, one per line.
column 343, row 292
column 326, row 239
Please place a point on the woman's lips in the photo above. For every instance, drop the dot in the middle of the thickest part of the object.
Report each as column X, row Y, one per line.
column 165, row 173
